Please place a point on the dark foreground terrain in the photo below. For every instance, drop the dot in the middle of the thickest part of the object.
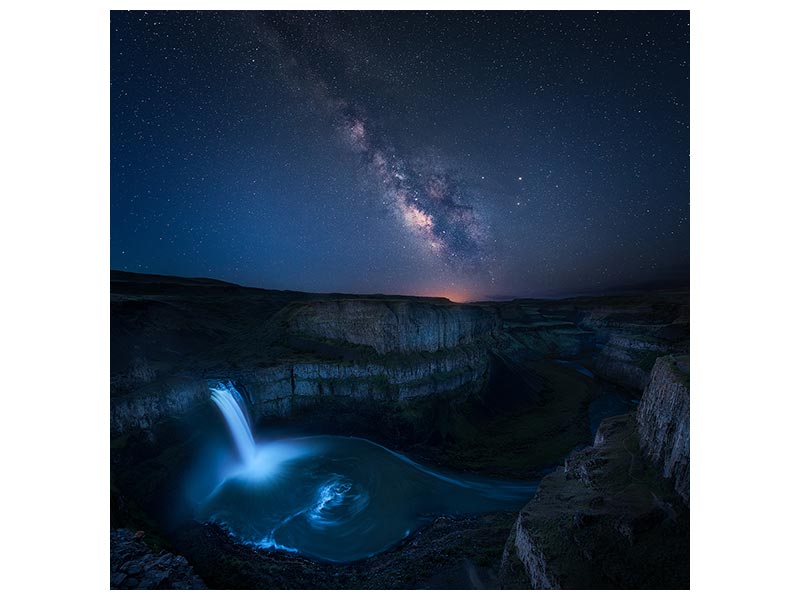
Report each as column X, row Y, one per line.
column 522, row 390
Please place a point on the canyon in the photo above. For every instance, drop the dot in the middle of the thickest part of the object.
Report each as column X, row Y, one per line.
column 501, row 389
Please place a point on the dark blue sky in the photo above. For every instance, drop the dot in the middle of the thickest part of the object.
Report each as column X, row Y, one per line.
column 470, row 155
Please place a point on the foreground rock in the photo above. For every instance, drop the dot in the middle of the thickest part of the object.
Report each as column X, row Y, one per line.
column 134, row 566
column 607, row 520
column 448, row 553
column 617, row 514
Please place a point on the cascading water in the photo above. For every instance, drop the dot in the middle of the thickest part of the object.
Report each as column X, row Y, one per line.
column 336, row 498
column 231, row 405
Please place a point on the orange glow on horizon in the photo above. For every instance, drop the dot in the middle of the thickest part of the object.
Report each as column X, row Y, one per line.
column 454, row 295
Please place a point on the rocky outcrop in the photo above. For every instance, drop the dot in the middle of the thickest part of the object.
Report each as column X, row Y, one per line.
column 523, row 555
column 633, row 331
column 663, row 420
column 606, row 520
column 393, row 325
column 616, row 515
column 386, row 394
column 542, row 338
column 134, row 566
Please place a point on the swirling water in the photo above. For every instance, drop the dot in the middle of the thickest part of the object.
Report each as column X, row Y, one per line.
column 340, row 498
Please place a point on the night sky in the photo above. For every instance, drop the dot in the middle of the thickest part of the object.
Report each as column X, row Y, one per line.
column 460, row 154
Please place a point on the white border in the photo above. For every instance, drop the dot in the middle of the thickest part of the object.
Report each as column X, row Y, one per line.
column 55, row 260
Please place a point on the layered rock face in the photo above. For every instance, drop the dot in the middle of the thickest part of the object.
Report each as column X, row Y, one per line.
column 275, row 390
column 632, row 335
column 663, row 420
column 394, row 326
column 297, row 388
column 386, row 397
column 380, row 359
column 144, row 407
column 531, row 327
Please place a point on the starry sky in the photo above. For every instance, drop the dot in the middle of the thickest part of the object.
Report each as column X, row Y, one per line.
column 472, row 155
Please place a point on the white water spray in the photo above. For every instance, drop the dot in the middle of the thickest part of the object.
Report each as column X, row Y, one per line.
column 231, row 405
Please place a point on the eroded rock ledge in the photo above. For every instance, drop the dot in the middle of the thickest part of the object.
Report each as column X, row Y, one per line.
column 616, row 516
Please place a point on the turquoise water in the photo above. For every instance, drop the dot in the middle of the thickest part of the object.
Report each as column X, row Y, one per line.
column 341, row 499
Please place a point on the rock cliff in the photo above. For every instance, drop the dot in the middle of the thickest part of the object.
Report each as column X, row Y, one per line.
column 605, row 520
column 663, row 420
column 397, row 386
column 633, row 332
column 378, row 359
column 392, row 325
column 626, row 359
column 143, row 407
column 617, row 514
column 620, row 337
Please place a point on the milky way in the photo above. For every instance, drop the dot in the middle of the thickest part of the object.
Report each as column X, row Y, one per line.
column 475, row 155
column 429, row 201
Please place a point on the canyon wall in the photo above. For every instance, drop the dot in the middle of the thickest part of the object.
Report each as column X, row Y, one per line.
column 630, row 336
column 617, row 337
column 387, row 361
column 394, row 326
column 626, row 358
column 663, row 420
column 274, row 390
column 141, row 408
column 616, row 515
column 291, row 389
column 293, row 350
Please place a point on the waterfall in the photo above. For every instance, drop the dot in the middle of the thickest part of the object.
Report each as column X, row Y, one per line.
column 232, row 406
